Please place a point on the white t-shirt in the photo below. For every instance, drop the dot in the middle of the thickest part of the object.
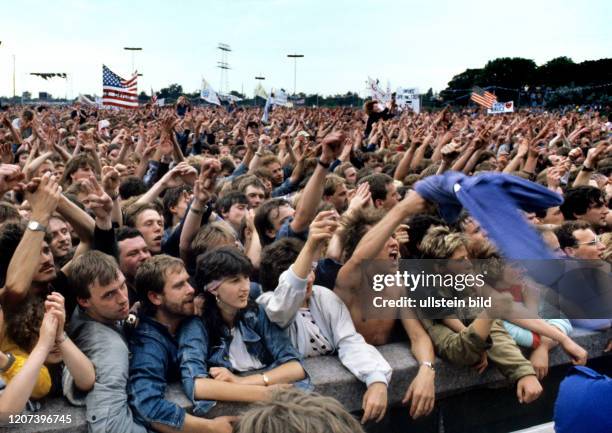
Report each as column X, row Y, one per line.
column 239, row 356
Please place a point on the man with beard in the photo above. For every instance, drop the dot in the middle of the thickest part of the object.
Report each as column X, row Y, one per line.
column 167, row 299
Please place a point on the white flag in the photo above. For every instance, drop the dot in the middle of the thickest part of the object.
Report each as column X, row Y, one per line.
column 208, row 93
column 280, row 98
column 260, row 91
column 376, row 92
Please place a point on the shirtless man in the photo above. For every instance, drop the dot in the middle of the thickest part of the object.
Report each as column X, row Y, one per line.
column 378, row 243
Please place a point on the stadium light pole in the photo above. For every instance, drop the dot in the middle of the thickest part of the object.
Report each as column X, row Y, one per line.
column 132, row 50
column 295, row 57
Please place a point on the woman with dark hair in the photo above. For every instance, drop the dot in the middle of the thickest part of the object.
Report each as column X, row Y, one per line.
column 233, row 342
column 377, row 111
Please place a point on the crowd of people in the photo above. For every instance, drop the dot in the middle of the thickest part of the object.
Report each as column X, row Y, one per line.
column 205, row 246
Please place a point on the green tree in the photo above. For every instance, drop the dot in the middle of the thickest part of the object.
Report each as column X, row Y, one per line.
column 171, row 93
column 557, row 72
column 143, row 97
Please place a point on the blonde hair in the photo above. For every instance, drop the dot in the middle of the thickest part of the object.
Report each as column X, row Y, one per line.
column 294, row 411
column 441, row 243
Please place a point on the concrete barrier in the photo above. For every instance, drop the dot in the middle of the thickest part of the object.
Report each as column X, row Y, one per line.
column 331, row 378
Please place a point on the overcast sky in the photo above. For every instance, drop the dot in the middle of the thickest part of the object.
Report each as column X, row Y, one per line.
column 409, row 43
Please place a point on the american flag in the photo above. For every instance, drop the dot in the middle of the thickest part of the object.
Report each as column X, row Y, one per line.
column 482, row 97
column 117, row 92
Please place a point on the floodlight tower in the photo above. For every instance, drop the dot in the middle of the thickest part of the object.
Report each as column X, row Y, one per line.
column 224, row 66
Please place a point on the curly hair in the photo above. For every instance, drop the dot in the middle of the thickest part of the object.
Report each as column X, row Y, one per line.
column 356, row 226
column 23, row 321
column 294, row 411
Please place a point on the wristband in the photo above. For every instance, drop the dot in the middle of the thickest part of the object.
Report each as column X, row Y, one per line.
column 585, row 168
column 196, row 211
column 326, row 166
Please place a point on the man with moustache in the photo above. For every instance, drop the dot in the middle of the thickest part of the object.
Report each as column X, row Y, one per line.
column 167, row 298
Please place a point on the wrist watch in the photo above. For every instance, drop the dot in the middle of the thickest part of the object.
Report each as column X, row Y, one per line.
column 428, row 364
column 35, row 226
column 9, row 363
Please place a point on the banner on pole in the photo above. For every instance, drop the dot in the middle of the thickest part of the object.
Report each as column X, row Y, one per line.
column 501, row 107
column 208, row 93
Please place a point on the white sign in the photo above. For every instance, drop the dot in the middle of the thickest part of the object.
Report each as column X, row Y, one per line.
column 501, row 107
column 408, row 98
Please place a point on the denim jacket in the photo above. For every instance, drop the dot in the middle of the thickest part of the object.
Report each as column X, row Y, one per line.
column 263, row 339
column 154, row 363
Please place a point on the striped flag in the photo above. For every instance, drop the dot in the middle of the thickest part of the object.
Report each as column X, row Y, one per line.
column 482, row 97
column 117, row 92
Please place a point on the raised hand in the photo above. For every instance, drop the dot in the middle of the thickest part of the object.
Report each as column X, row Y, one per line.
column 204, row 186
column 450, row 151
column 110, row 181
column 180, row 174
column 100, row 202
column 323, row 227
column 401, row 234
column 332, row 146
column 43, row 195
column 6, row 153
column 361, row 199
column 594, row 153
column 10, row 176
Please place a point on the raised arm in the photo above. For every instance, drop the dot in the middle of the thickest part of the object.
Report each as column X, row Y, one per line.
column 313, row 192
column 26, row 259
column 179, row 174
column 281, row 305
column 203, row 191
column 590, row 162
column 374, row 240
